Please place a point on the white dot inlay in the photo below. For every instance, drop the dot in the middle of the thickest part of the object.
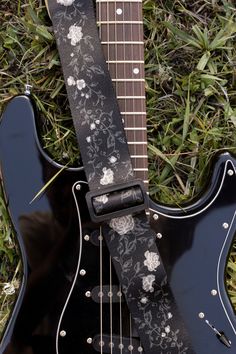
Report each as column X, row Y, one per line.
column 136, row 71
column 119, row 11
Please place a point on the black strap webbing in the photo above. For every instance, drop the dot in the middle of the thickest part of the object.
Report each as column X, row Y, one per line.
column 111, row 181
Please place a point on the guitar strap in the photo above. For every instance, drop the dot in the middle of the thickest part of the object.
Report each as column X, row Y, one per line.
column 116, row 198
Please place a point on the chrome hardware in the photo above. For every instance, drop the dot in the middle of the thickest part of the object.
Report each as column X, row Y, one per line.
column 201, row 315
column 155, row 217
column 86, row 237
column 62, row 333
column 88, row 294
column 159, row 235
column 213, row 292
column 225, row 225
column 230, row 172
column 78, row 187
column 89, row 340
column 220, row 335
column 82, row 272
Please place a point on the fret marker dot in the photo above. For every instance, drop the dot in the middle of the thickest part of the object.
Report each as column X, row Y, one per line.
column 119, row 11
column 136, row 71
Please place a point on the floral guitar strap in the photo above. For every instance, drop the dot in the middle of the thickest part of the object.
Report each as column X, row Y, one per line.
column 111, row 181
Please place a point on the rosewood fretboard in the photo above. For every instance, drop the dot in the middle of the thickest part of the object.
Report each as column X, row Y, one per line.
column 121, row 32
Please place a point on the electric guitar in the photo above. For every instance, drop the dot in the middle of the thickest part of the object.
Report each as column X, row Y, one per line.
column 70, row 300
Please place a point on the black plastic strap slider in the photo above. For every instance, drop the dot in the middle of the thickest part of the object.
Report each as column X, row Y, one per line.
column 116, row 201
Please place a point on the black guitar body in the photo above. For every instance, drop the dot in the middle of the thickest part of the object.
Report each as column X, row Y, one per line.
column 65, row 303
column 194, row 243
column 70, row 301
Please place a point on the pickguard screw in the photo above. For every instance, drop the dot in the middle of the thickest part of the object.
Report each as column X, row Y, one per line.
column 82, row 272
column 88, row 294
column 63, row 333
column 78, row 187
column 159, row 235
column 213, row 292
column 225, row 225
column 86, row 237
column 201, row 315
column 140, row 349
column 230, row 172
column 89, row 340
column 155, row 217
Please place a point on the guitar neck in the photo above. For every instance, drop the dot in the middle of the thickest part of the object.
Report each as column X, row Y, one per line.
column 120, row 26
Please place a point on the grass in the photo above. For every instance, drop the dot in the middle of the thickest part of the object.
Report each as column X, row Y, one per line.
column 191, row 100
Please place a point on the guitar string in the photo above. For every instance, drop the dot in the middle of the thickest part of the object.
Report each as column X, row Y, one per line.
column 121, row 324
column 100, row 233
column 120, row 76
column 130, row 15
column 101, row 289
column 142, row 93
column 132, row 88
column 111, row 298
column 111, row 307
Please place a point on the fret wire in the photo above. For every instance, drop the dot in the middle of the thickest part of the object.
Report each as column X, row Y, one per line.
column 114, row 1
column 124, row 61
column 120, row 22
column 122, row 42
column 128, row 80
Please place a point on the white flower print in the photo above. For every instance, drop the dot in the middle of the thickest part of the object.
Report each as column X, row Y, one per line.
column 65, row 2
column 112, row 159
column 71, row 81
column 97, row 121
column 102, row 199
column 169, row 315
column 92, row 126
column 123, row 224
column 88, row 139
column 167, row 329
column 151, row 261
column 75, row 34
column 148, row 282
column 80, row 84
column 108, row 176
